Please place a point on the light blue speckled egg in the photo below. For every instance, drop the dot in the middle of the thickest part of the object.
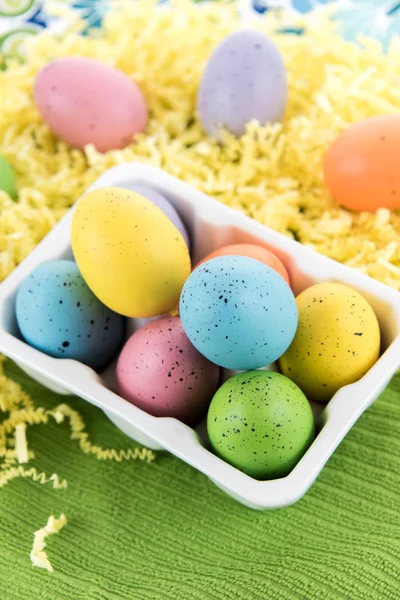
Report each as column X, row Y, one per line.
column 238, row 312
column 58, row 314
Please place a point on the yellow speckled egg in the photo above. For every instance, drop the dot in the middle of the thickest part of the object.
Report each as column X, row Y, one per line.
column 336, row 343
column 129, row 253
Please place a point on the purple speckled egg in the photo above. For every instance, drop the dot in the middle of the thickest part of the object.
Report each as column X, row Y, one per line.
column 163, row 204
column 245, row 79
column 161, row 372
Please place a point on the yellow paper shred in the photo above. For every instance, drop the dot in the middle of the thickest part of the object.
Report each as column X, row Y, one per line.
column 16, row 472
column 39, row 557
column 21, row 445
column 18, row 412
column 272, row 173
column 77, row 433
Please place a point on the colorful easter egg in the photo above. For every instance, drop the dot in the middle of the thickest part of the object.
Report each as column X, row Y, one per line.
column 84, row 101
column 129, row 253
column 238, row 312
column 160, row 371
column 244, row 79
column 58, row 314
column 261, row 423
column 336, row 343
column 361, row 166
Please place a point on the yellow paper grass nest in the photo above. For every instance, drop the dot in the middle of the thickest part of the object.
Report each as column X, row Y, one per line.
column 272, row 173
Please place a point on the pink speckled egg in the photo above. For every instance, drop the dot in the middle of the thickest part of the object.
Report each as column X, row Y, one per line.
column 84, row 101
column 161, row 372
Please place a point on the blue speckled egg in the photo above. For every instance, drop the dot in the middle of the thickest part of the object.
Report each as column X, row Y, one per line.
column 238, row 312
column 58, row 314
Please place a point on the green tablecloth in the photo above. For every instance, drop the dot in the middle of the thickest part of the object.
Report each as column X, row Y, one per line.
column 162, row 531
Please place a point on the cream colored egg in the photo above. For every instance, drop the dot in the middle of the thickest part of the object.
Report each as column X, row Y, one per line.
column 336, row 343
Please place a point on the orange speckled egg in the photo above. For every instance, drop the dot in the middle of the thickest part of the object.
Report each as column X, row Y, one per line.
column 361, row 167
column 252, row 251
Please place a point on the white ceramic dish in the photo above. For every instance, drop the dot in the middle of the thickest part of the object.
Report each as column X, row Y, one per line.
column 212, row 225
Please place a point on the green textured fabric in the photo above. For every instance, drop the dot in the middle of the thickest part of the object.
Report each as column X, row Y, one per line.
column 162, row 531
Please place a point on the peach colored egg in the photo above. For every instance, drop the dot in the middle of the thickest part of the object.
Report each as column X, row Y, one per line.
column 84, row 101
column 361, row 167
column 252, row 251
column 162, row 373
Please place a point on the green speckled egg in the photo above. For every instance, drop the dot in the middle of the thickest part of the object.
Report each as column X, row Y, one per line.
column 261, row 423
column 336, row 343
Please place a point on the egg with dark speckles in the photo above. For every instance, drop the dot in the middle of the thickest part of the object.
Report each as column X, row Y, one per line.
column 261, row 423
column 59, row 315
column 84, row 101
column 244, row 79
column 162, row 373
column 238, row 312
column 129, row 253
column 337, row 340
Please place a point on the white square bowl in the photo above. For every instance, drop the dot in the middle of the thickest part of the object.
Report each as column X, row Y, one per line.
column 212, row 225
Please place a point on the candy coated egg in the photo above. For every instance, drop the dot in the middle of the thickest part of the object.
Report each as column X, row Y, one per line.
column 59, row 315
column 163, row 204
column 361, row 167
column 336, row 343
column 252, row 251
column 84, row 101
column 238, row 312
column 129, row 253
column 161, row 372
column 7, row 178
column 244, row 79
column 261, row 423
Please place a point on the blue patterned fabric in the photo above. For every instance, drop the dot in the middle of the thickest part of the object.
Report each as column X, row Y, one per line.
column 379, row 19
column 375, row 18
column 92, row 11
